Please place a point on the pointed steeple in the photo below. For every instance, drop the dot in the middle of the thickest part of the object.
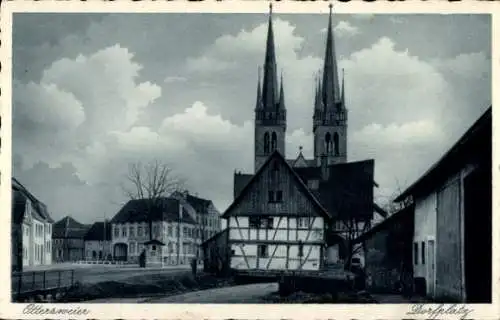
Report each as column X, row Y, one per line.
column 270, row 81
column 330, row 92
column 317, row 98
column 281, row 104
column 342, row 92
column 258, row 103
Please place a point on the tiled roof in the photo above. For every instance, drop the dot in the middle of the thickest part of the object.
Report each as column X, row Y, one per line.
column 20, row 194
column 137, row 211
column 98, row 233
column 199, row 204
column 68, row 227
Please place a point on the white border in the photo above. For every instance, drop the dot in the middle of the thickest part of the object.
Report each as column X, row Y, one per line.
column 199, row 311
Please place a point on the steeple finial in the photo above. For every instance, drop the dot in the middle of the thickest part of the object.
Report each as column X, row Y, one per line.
column 270, row 81
column 330, row 73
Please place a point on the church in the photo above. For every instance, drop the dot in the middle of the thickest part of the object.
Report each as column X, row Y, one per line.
column 299, row 214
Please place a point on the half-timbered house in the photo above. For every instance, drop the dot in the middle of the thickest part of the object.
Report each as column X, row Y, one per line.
column 275, row 223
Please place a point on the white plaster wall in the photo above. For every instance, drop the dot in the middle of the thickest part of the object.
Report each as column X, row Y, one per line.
column 425, row 228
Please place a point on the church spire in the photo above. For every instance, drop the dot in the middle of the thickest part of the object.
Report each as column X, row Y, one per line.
column 330, row 75
column 281, row 105
column 270, row 82
column 258, row 103
column 342, row 92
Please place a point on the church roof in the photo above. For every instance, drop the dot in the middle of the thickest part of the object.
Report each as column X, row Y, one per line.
column 270, row 81
column 300, row 183
column 331, row 91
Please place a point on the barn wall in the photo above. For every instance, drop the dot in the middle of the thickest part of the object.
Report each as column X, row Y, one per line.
column 449, row 241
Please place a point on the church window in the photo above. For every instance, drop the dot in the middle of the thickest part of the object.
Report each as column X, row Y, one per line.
column 274, row 141
column 336, row 143
column 328, row 143
column 266, row 142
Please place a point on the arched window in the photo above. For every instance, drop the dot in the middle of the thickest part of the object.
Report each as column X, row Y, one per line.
column 274, row 141
column 328, row 143
column 266, row 142
column 336, row 142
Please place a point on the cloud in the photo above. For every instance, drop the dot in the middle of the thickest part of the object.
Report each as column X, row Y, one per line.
column 345, row 29
column 174, row 79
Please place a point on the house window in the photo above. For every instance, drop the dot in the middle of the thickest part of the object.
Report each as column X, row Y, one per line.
column 156, row 230
column 423, row 252
column 154, row 248
column 170, row 230
column 301, row 249
column 139, row 231
column 185, row 232
column 263, row 251
column 415, row 253
column 279, row 196
column 131, row 231
column 270, row 196
column 254, row 222
column 131, row 248
column 117, row 231
column 302, row 222
column 124, row 231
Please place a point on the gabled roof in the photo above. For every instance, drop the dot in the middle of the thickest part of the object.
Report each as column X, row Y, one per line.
column 99, row 231
column 20, row 194
column 68, row 227
column 471, row 144
column 276, row 155
column 199, row 204
column 137, row 211
column 405, row 213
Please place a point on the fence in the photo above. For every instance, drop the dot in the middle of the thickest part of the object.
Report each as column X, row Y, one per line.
column 25, row 283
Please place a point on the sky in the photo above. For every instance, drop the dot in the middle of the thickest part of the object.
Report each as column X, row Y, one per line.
column 93, row 93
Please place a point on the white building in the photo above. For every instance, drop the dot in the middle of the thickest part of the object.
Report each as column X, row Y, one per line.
column 32, row 229
column 171, row 239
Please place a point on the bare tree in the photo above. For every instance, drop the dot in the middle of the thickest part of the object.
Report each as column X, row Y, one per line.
column 151, row 182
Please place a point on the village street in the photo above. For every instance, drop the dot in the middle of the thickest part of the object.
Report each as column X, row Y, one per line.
column 251, row 293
